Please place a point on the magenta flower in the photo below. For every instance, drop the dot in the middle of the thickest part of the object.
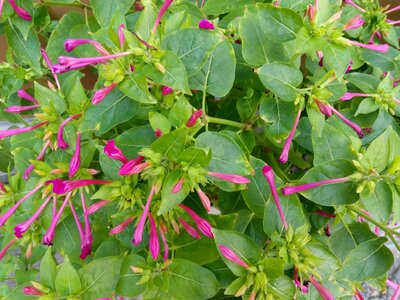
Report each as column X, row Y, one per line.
column 76, row 158
column 323, row 291
column 166, row 90
column 205, row 24
column 100, row 94
column 204, row 199
column 379, row 48
column 202, row 225
column 39, row 157
column 349, row 96
column 60, row 139
column 230, row 255
column 114, row 152
column 154, row 243
column 87, row 241
column 237, row 179
column 324, row 214
column 20, row 12
column 163, row 9
column 298, row 283
column 354, row 23
column 311, row 13
column 354, row 126
column 288, row 190
column 163, row 231
column 24, row 95
column 285, row 151
column 121, row 227
column 355, row 5
column 7, row 247
column 64, row 186
column 15, row 131
column 121, row 36
column 51, row 231
column 50, row 65
column 324, row 109
column 21, row 228
column 137, row 237
column 189, row 229
column 269, row 176
column 71, row 44
column 18, row 109
column 194, row 117
column 158, row 133
column 32, row 291
column 348, row 69
column 133, row 166
column 11, row 211
column 178, row 186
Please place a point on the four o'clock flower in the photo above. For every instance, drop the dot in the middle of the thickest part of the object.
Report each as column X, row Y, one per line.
column 50, row 65
column 158, row 132
column 154, row 243
column 113, row 152
column 87, row 241
column 20, row 11
column 288, row 190
column 202, row 225
column 24, row 95
column 269, row 175
column 133, row 166
column 354, row 23
column 64, row 186
column 7, row 247
column 285, row 151
column 189, row 229
column 232, row 256
column 60, row 139
column 39, row 157
column 76, row 158
column 163, row 9
column 349, row 96
column 323, row 291
column 121, row 227
column 137, row 237
column 194, row 117
column 178, row 186
column 71, row 44
column 298, row 283
column 166, row 90
column 204, row 199
column 355, row 5
column 100, row 94
column 31, row 290
column 15, row 109
column 379, row 48
column 15, row 131
column 205, row 24
column 237, row 179
column 163, row 231
column 121, row 35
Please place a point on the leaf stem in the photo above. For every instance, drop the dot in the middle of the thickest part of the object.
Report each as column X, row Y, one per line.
column 242, row 126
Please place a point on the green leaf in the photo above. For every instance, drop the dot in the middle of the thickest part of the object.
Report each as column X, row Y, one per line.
column 133, row 140
column 159, row 121
column 48, row 270
column 218, row 73
column 180, row 113
column 273, row 267
column 22, row 156
column 227, row 157
column 219, row 7
column 368, row 260
column 100, row 277
column 115, row 109
column 336, row 58
column 186, row 280
column 383, row 61
column 365, row 82
column 104, row 11
column 128, row 283
column 195, row 157
column 135, row 87
column 378, row 202
column 146, row 20
column 331, row 194
column 168, row 199
column 282, row 288
column 49, row 98
column 242, row 245
column 74, row 93
column 171, row 144
column 281, row 79
column 67, row 280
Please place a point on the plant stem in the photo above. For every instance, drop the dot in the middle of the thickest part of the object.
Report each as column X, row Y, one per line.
column 376, row 223
column 227, row 122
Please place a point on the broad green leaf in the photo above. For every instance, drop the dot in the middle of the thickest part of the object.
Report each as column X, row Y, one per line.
column 105, row 10
column 115, row 109
column 218, row 73
column 195, row 157
column 331, row 194
column 171, row 144
column 22, row 157
column 218, row 7
column 336, row 58
column 242, row 245
column 378, row 202
column 67, row 281
column 135, row 87
column 383, row 61
column 222, row 272
column 146, row 20
column 365, row 82
column 128, row 283
column 185, row 247
column 134, row 139
column 329, row 263
column 186, row 280
column 170, row 200
column 48, row 270
column 273, row 267
column 100, row 277
column 282, row 288
column 49, row 98
column 180, row 113
column 159, row 121
column 75, row 93
column 281, row 79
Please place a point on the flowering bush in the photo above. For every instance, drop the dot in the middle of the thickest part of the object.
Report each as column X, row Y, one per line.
column 228, row 147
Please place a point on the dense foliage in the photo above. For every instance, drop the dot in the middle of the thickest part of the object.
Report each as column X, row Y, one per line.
column 229, row 148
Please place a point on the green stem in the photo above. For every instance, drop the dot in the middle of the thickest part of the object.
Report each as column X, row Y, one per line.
column 376, row 223
column 203, row 105
column 73, row 4
column 227, row 122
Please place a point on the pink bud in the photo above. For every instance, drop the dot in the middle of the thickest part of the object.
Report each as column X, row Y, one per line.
column 285, row 151
column 379, row 48
column 133, row 167
column 163, row 231
column 100, row 94
column 96, row 206
column 71, row 44
column 7, row 247
column 50, row 65
column 39, row 157
column 205, row 24
column 232, row 256
column 163, row 9
column 60, row 139
column 121, row 36
column 76, row 158
column 202, row 225
column 86, row 245
column 11, row 132
column 349, row 96
column 178, row 186
column 24, row 95
column 18, row 109
column 288, row 190
column 323, row 108
column 189, row 229
column 20, row 12
column 354, row 23
column 31, row 290
column 166, row 90
column 237, row 179
column 137, row 237
column 323, row 291
column 114, row 152
column 121, row 227
column 194, row 117
column 158, row 132
column 154, row 243
column 204, row 199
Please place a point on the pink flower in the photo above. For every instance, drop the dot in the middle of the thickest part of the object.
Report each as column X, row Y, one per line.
column 354, row 23
column 357, row 295
column 189, row 229
column 64, row 186
column 285, row 151
column 39, row 157
column 194, row 117
column 114, row 152
column 24, row 226
column 355, row 5
column 18, row 109
column 158, row 133
column 20, row 12
column 269, row 176
column 121, row 36
column 348, row 96
column 87, row 241
column 133, row 167
column 230, row 255
column 50, row 65
column 379, row 48
column 24, row 95
column 204, row 199
column 100, row 94
column 7, row 247
column 392, row 9
column 202, row 225
column 178, row 186
column 60, row 139
column 15, row 131
column 11, row 211
column 205, row 24
column 154, row 243
column 163, row 231
column 137, row 237
column 311, row 13
column 323, row 291
column 71, row 44
column 121, row 227
column 31, row 290
column 298, row 283
column 237, row 179
column 166, row 90
column 163, row 9
column 76, row 158
column 354, row 126
column 348, row 69
column 288, row 190
column 324, row 109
